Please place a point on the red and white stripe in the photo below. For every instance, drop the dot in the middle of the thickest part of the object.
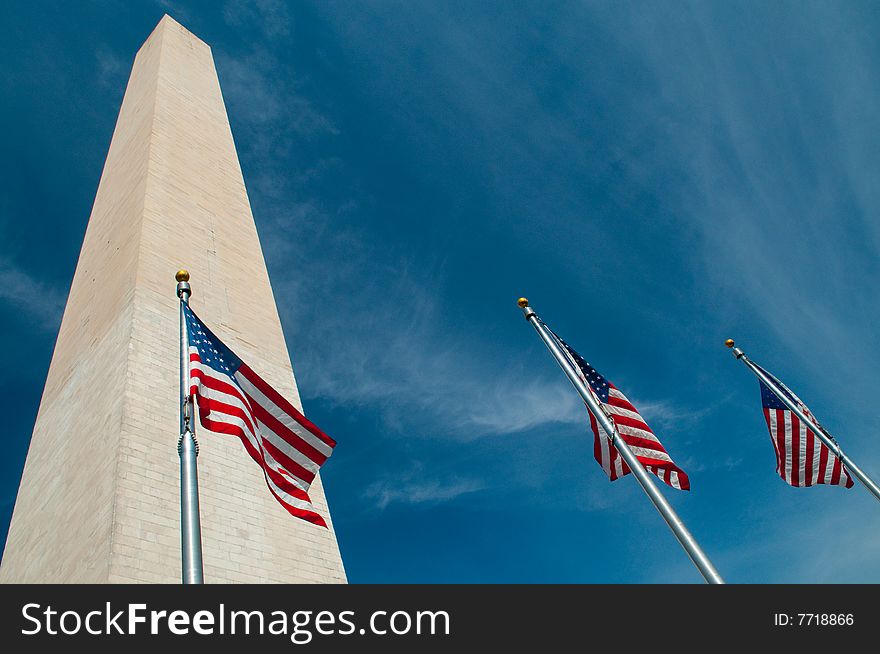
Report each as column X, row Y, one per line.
column 632, row 429
column 802, row 459
column 641, row 440
column 288, row 447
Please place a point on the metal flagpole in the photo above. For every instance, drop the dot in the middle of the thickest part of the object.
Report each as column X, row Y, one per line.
column 814, row 426
column 188, row 449
column 693, row 549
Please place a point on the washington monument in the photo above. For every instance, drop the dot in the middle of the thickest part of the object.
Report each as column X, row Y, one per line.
column 99, row 497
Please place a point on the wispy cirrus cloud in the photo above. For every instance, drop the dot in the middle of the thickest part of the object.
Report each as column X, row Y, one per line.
column 364, row 327
column 112, row 69
column 669, row 414
column 272, row 17
column 266, row 101
column 371, row 335
column 40, row 301
column 419, row 490
column 777, row 176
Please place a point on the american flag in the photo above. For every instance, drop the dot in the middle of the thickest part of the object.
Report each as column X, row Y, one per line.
column 802, row 459
column 234, row 400
column 630, row 425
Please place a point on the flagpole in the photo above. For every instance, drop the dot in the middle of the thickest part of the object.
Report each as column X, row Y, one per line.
column 811, row 423
column 188, row 449
column 690, row 545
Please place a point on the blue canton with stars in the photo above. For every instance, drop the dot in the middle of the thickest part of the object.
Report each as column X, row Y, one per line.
column 212, row 351
column 769, row 399
column 601, row 387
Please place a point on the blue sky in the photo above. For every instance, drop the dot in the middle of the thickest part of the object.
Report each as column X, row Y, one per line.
column 655, row 177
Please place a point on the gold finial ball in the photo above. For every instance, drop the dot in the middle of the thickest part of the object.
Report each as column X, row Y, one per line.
column 182, row 275
column 522, row 302
column 729, row 342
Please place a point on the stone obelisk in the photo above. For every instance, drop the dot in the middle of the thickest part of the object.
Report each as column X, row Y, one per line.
column 99, row 497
